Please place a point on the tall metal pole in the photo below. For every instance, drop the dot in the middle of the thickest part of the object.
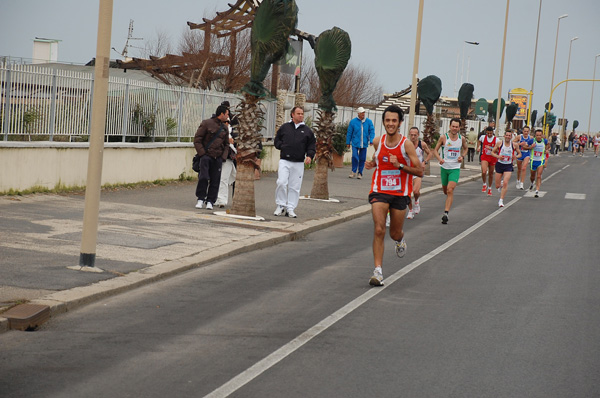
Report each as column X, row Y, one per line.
column 566, row 87
column 592, row 99
column 537, row 35
column 499, row 106
column 87, row 257
column 554, row 65
column 413, row 91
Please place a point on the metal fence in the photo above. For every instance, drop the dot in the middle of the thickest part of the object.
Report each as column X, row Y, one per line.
column 44, row 103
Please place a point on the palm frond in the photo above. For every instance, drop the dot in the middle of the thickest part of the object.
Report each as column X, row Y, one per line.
column 429, row 91
column 511, row 111
column 465, row 95
column 274, row 22
column 493, row 106
column 332, row 52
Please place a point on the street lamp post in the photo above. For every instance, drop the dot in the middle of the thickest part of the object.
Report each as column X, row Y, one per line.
column 413, row 92
column 592, row 99
column 537, row 35
column 462, row 65
column 566, row 88
column 554, row 63
column 499, row 106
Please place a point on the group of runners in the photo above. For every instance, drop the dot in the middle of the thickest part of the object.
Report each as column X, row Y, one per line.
column 498, row 155
column 580, row 142
column 399, row 162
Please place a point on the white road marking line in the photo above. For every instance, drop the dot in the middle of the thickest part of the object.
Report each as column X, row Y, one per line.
column 271, row 360
column 579, row 196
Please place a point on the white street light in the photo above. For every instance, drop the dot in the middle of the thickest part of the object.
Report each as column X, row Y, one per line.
column 537, row 35
column 462, row 66
column 592, row 99
column 567, row 86
column 554, row 64
column 499, row 105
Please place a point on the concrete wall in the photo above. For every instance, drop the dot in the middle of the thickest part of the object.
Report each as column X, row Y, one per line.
column 25, row 165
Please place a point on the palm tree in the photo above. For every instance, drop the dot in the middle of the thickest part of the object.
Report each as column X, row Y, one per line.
column 465, row 95
column 332, row 52
column 429, row 91
column 511, row 112
column 274, row 22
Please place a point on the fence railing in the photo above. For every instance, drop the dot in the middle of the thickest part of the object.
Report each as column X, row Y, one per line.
column 40, row 103
column 43, row 103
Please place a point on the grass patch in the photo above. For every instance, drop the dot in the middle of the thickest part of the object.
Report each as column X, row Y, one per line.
column 61, row 189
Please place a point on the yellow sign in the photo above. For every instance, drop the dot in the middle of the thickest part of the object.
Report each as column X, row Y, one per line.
column 519, row 96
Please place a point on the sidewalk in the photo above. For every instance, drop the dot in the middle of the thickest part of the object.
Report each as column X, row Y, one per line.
column 150, row 233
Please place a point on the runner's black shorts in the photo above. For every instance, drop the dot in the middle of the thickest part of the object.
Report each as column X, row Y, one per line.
column 503, row 168
column 395, row 202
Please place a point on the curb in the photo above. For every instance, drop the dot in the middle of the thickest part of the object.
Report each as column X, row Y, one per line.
column 71, row 299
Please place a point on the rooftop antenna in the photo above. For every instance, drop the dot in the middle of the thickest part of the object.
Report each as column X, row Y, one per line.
column 130, row 37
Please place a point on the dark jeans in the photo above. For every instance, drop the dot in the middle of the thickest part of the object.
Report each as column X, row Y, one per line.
column 209, row 177
column 471, row 155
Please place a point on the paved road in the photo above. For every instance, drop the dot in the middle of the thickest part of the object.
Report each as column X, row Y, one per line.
column 494, row 304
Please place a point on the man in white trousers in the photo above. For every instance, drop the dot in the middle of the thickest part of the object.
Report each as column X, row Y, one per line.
column 296, row 143
column 228, row 172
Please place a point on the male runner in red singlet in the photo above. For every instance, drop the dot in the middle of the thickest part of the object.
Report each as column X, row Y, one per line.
column 395, row 162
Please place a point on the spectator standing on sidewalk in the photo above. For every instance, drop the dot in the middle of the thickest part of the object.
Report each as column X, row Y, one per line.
column 212, row 145
column 471, row 144
column 228, row 171
column 360, row 135
column 454, row 148
column 297, row 145
column 395, row 162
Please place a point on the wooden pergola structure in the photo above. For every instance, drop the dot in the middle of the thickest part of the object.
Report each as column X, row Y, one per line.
column 226, row 24
column 191, row 68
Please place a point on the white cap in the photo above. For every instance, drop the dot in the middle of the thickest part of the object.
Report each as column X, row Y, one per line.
column 360, row 109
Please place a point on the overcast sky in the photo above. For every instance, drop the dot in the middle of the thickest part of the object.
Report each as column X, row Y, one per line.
column 383, row 39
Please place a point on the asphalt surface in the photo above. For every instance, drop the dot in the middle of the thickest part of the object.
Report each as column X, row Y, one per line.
column 149, row 233
column 498, row 303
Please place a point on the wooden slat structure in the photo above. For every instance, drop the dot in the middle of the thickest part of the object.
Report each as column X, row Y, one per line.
column 192, row 68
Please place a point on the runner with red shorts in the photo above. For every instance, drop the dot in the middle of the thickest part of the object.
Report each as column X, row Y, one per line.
column 485, row 145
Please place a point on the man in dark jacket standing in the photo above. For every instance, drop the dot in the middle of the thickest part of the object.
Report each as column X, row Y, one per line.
column 212, row 145
column 296, row 143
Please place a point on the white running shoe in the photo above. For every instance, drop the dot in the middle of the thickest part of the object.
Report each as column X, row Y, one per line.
column 537, row 193
column 401, row 248
column 518, row 184
column 199, row 204
column 279, row 211
column 500, row 203
column 209, row 206
column 377, row 278
column 291, row 214
column 417, row 207
column 410, row 215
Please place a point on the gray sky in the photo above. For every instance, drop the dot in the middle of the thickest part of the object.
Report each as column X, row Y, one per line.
column 383, row 39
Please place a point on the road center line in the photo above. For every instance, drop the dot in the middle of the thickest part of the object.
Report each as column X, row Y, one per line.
column 272, row 359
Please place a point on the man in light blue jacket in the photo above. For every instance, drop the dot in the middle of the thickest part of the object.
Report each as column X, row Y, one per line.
column 360, row 135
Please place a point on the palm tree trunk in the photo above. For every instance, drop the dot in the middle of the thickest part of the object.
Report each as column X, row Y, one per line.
column 324, row 130
column 320, row 188
column 244, row 199
column 250, row 117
